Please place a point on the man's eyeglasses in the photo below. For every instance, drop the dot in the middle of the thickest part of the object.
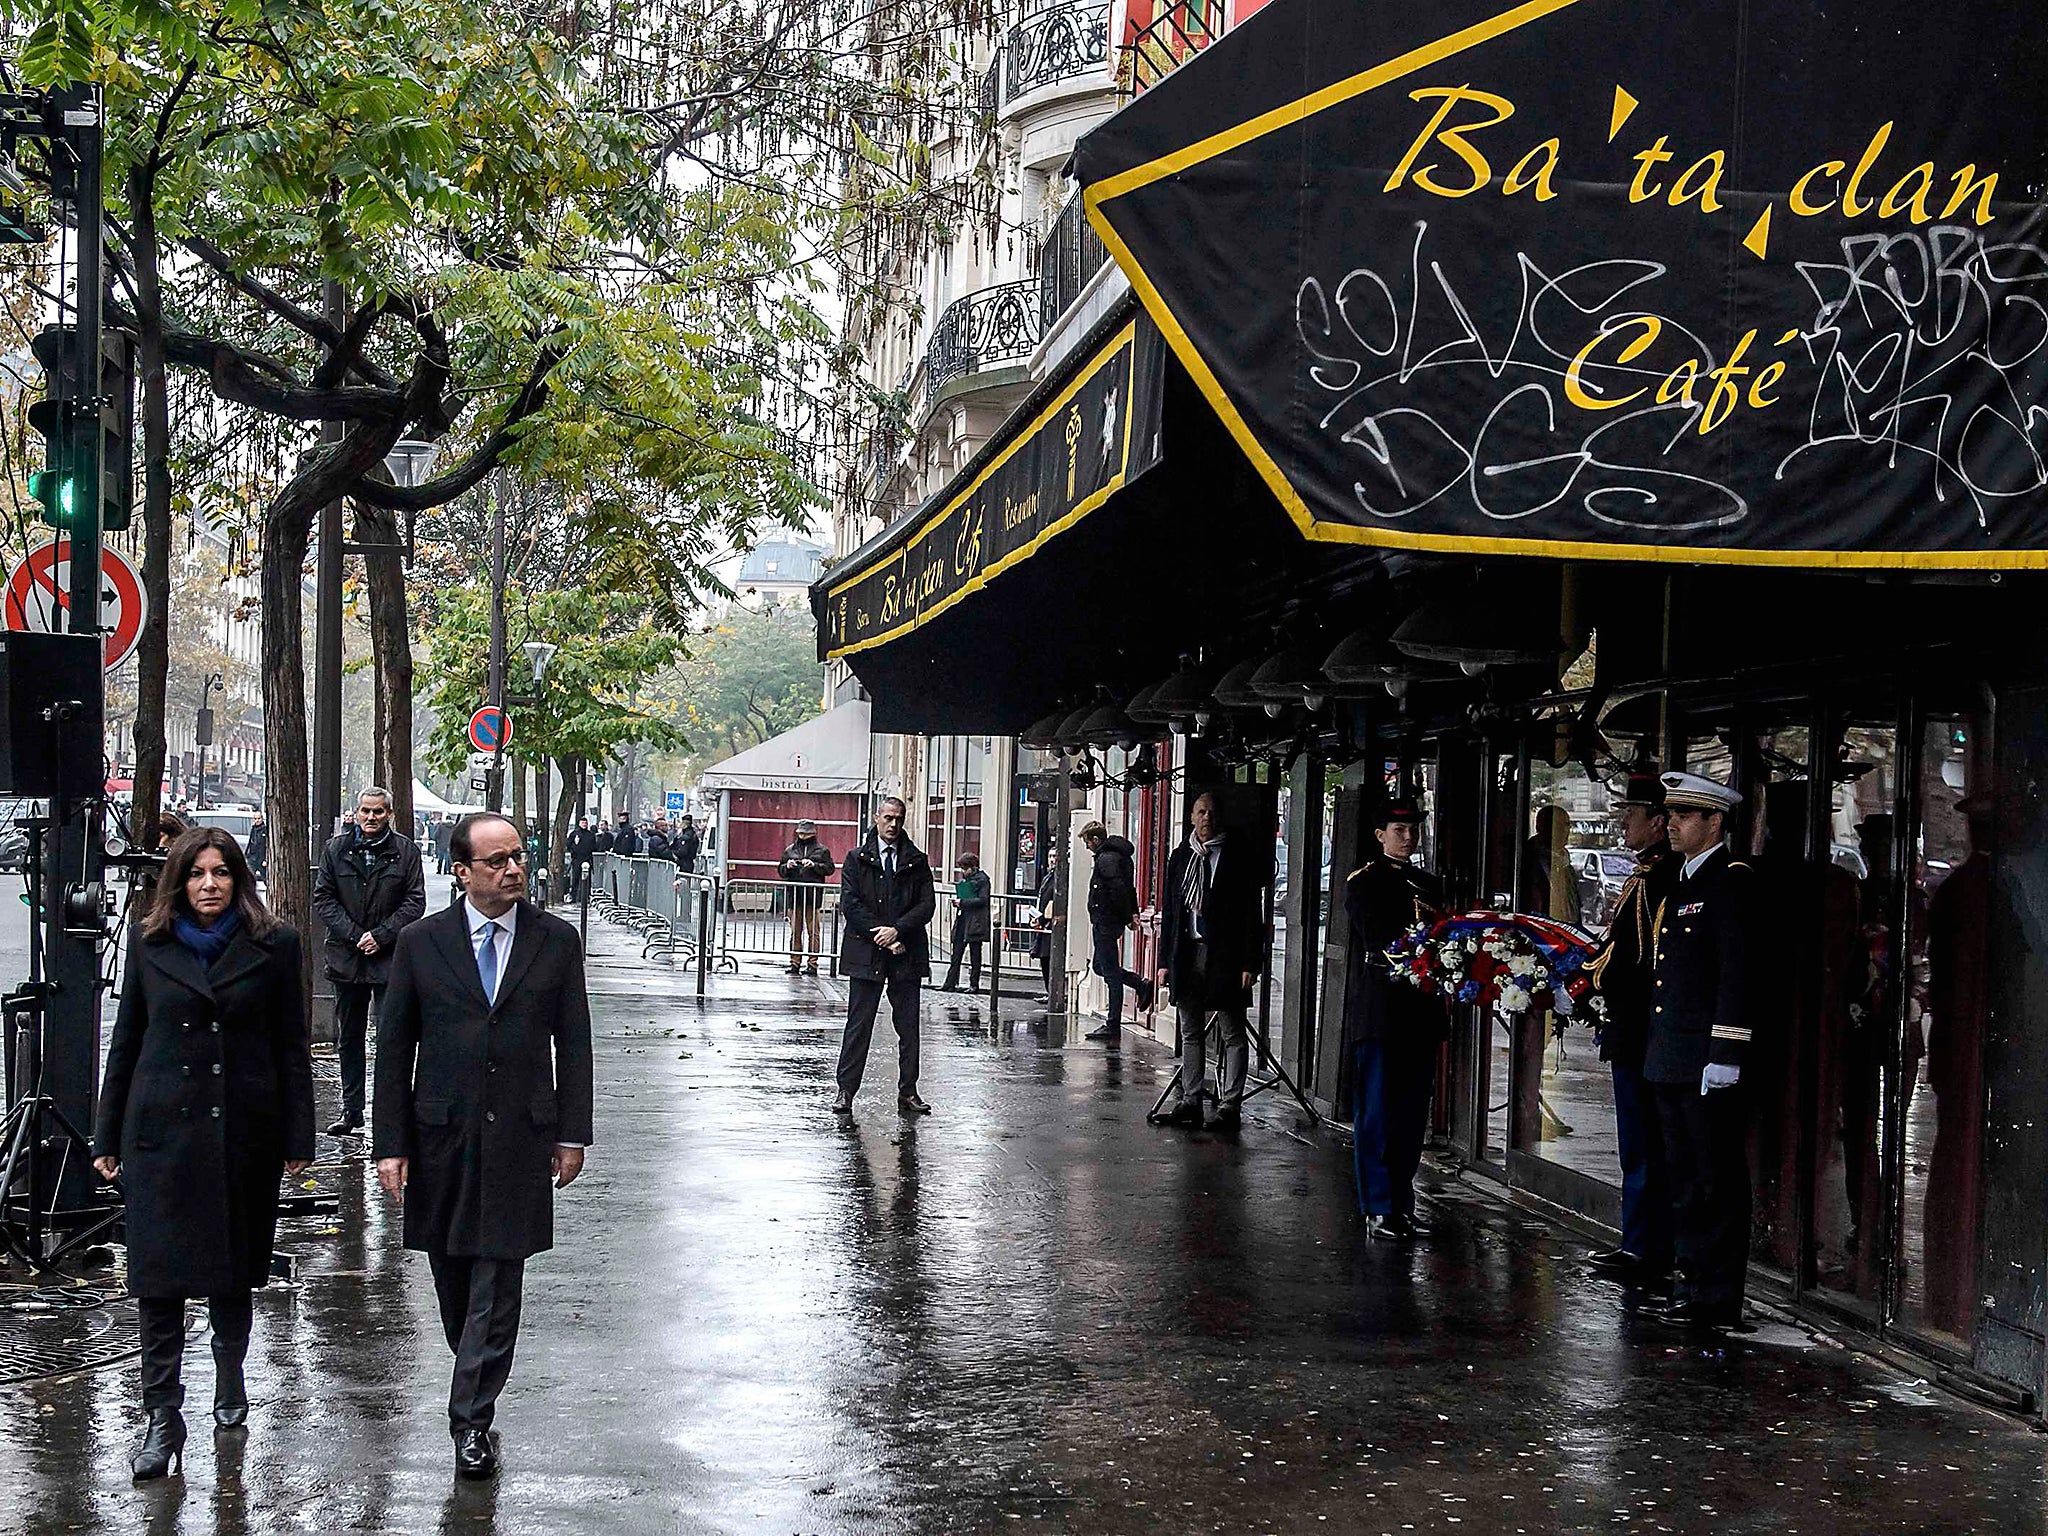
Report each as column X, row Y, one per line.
column 497, row 861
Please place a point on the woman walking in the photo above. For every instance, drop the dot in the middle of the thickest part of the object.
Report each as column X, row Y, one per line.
column 208, row 1102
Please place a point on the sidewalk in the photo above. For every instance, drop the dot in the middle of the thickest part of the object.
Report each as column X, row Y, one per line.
column 1031, row 1307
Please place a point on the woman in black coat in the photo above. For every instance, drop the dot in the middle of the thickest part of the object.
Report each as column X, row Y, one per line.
column 207, row 1103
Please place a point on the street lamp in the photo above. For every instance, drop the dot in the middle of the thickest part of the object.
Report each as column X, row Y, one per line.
column 202, row 731
column 538, row 654
column 411, row 461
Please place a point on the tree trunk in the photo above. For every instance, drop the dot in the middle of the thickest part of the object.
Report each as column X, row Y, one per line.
column 627, row 798
column 565, row 812
column 153, row 657
column 287, row 528
column 391, row 649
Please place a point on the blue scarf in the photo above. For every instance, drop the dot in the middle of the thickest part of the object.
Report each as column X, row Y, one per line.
column 208, row 944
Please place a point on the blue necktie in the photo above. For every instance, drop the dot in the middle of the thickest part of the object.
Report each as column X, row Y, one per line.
column 487, row 962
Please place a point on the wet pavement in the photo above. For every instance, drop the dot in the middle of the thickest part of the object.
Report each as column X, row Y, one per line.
column 1031, row 1308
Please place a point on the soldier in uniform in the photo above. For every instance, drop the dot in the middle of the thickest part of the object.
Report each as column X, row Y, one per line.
column 1394, row 1029
column 1643, row 1257
column 1704, row 963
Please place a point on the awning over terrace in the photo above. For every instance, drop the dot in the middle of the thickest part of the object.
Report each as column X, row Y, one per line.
column 1752, row 281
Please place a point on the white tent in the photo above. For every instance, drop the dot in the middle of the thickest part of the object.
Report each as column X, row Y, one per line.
column 825, row 756
column 424, row 800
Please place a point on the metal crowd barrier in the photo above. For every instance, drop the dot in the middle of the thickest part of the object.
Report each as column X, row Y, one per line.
column 758, row 919
column 675, row 914
column 1012, row 953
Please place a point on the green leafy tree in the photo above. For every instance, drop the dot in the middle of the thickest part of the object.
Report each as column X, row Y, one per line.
column 750, row 676
column 586, row 707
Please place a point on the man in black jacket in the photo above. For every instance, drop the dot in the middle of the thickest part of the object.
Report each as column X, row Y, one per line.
column 1212, row 943
column 371, row 884
column 1704, row 966
column 1623, row 973
column 1393, row 1028
column 805, row 866
column 484, row 1107
column 582, row 844
column 886, row 903
column 684, row 845
column 258, row 847
column 1112, row 909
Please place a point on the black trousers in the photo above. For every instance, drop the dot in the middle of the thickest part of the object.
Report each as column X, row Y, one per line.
column 480, row 1316
column 163, row 1342
column 863, row 1002
column 1706, row 1159
column 1109, row 965
column 352, row 1029
column 972, row 947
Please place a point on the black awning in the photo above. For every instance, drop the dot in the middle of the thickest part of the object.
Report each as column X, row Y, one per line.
column 1752, row 281
column 1108, row 528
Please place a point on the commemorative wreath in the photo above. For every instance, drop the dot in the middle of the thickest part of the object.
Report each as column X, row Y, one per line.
column 1511, row 962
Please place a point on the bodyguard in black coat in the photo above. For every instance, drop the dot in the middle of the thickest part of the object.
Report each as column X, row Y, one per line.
column 1704, row 969
column 484, row 1106
column 1212, row 944
column 207, row 1100
column 371, row 883
column 886, row 903
column 1395, row 1029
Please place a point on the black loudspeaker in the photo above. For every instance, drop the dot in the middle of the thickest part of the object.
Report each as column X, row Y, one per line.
column 42, row 676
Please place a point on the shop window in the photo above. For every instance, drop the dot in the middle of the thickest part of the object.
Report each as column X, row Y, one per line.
column 1942, row 1055
column 1859, row 1014
column 1574, row 866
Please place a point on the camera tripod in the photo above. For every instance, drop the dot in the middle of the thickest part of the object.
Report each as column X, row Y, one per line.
column 38, row 1140
column 1276, row 1077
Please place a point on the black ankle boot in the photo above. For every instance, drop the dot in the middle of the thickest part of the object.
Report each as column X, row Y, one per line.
column 163, row 1446
column 230, row 1396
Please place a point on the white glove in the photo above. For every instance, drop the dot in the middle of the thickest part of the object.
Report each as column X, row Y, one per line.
column 1718, row 1076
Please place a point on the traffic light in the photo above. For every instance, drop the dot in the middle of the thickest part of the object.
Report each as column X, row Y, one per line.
column 65, row 419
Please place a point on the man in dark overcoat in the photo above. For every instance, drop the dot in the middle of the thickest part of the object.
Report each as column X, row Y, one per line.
column 1212, row 945
column 685, row 845
column 1623, row 974
column 1395, row 1030
column 370, row 885
column 1705, row 966
column 484, row 1106
column 582, row 848
column 886, row 903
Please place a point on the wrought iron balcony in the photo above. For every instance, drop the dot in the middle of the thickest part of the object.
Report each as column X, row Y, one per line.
column 977, row 332
column 1168, row 41
column 1072, row 253
column 989, row 94
column 1055, row 43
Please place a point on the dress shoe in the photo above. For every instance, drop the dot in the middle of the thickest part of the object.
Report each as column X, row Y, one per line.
column 794, row 970
column 230, row 1396
column 1106, row 1032
column 1414, row 1225
column 842, row 1103
column 1613, row 1261
column 1187, row 1114
column 1385, row 1229
column 910, row 1104
column 345, row 1127
column 475, row 1456
column 163, row 1446
column 810, row 970
column 1226, row 1120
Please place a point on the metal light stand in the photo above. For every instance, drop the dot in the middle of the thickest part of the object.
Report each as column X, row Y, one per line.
column 1279, row 1078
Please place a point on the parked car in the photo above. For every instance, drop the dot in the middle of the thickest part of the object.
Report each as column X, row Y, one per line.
column 236, row 822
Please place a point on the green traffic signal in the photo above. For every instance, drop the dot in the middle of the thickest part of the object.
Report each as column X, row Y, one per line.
column 55, row 493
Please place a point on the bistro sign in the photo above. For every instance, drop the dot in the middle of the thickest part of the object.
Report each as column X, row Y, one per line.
column 1094, row 435
column 1740, row 280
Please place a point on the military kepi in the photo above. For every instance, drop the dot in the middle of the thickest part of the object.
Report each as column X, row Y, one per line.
column 1398, row 811
column 1645, row 789
column 1692, row 792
